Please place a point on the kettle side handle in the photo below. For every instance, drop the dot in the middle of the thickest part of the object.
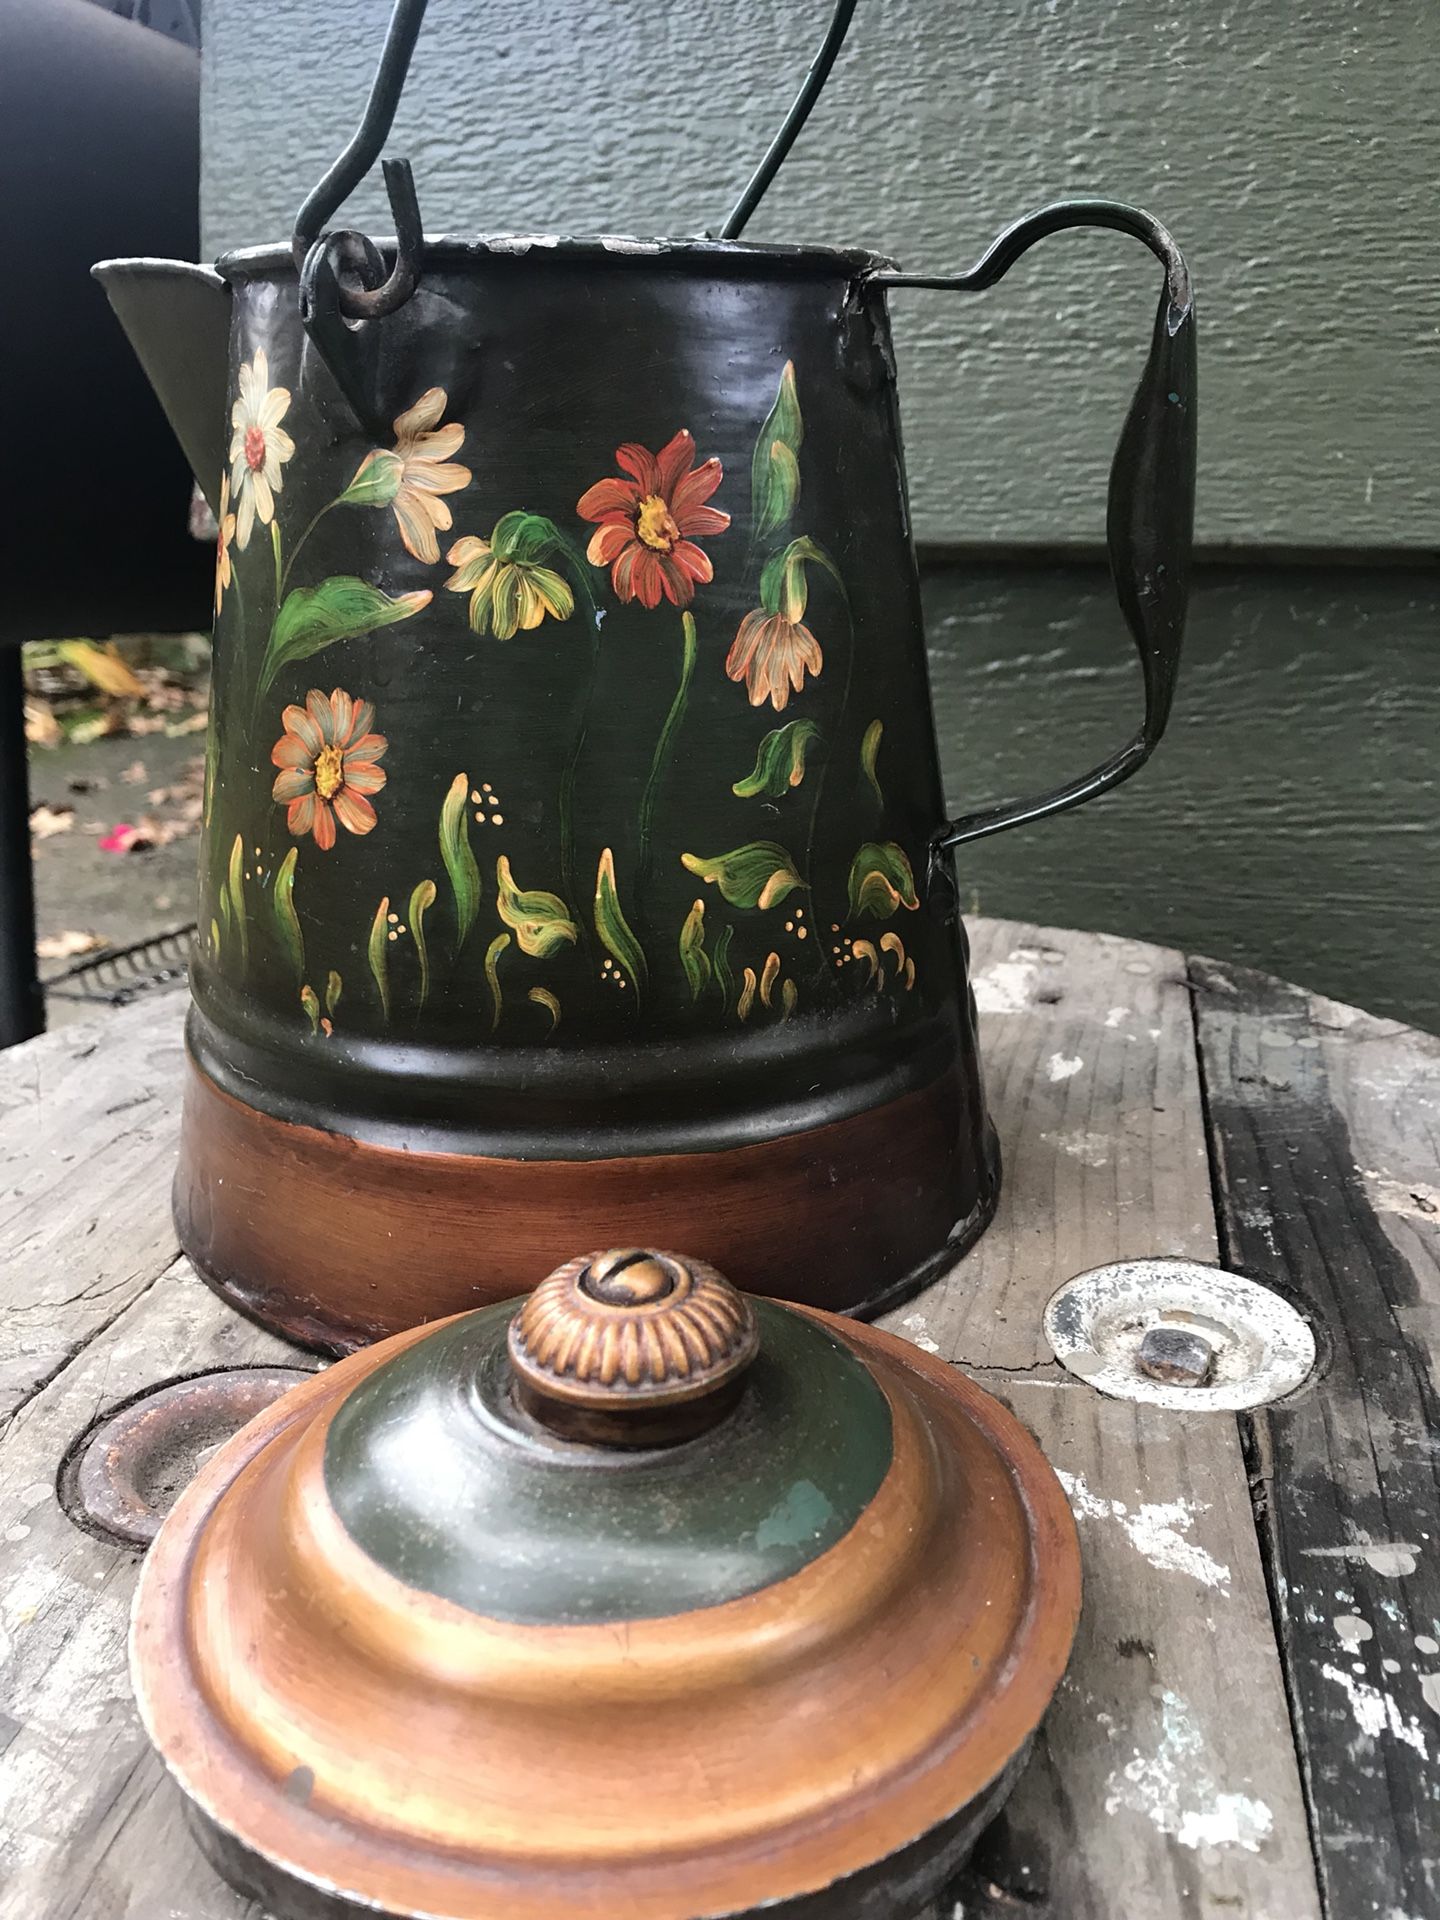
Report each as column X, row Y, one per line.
column 1150, row 513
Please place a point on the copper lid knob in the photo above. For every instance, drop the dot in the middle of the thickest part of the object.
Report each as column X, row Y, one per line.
column 632, row 1348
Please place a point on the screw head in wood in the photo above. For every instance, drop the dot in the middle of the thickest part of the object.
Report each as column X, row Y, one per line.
column 1179, row 1333
column 1179, row 1356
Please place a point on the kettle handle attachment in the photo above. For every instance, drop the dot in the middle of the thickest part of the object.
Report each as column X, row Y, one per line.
column 1150, row 515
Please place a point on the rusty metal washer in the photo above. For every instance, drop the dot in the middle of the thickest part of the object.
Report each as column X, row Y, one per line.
column 122, row 1478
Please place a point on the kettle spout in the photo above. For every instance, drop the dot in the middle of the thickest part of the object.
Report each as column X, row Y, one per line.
column 177, row 318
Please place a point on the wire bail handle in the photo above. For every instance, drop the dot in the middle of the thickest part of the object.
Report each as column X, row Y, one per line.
column 342, row 273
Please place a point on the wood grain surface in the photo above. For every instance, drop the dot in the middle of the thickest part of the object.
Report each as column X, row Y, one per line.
column 1165, row 1784
column 89, row 1824
column 88, row 1124
column 1292, row 151
column 1326, row 1125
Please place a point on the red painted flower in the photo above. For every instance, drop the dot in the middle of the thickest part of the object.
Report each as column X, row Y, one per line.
column 771, row 655
column 329, row 761
column 648, row 524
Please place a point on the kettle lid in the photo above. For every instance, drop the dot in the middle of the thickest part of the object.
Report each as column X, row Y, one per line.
column 645, row 1597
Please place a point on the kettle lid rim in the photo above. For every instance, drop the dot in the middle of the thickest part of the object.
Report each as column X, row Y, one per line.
column 458, row 250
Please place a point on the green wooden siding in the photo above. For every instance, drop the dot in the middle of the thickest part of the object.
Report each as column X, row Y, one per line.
column 1294, row 150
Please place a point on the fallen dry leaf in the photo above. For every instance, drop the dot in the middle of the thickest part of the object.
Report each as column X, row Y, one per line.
column 64, row 946
column 134, row 773
column 47, row 820
column 42, row 729
column 102, row 667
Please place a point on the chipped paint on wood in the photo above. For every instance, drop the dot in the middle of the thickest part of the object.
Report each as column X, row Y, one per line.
column 1175, row 1788
column 1156, row 1529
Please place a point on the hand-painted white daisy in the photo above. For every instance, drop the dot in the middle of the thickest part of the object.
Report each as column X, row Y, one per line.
column 259, row 447
column 410, row 478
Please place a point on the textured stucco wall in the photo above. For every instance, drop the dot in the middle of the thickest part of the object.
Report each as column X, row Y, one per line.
column 1294, row 149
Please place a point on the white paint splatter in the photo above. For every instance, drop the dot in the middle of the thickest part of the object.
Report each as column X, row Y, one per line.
column 1175, row 1788
column 1004, row 986
column 1430, row 1690
column 1116, row 1014
column 1155, row 1529
column 1424, row 1643
column 1092, row 1149
column 1387, row 1665
column 1353, row 1631
column 1375, row 1712
column 1414, row 1199
column 915, row 1325
column 1063, row 1066
column 1392, row 1559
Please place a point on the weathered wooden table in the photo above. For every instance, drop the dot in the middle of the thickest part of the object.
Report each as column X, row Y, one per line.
column 1250, row 1725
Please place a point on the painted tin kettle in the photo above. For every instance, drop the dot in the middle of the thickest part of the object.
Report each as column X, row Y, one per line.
column 574, row 859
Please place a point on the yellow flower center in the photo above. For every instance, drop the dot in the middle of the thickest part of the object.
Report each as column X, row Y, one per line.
column 654, row 524
column 329, row 772
column 254, row 448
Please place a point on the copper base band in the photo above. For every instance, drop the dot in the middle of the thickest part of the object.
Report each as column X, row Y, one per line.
column 333, row 1242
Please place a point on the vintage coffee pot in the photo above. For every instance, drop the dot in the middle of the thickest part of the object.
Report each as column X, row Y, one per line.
column 642, row 1601
column 574, row 851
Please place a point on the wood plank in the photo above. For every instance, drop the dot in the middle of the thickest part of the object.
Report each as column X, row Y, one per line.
column 90, row 1825
column 1202, row 1770
column 88, row 1123
column 1147, row 1794
column 1327, row 1131
column 1089, row 1056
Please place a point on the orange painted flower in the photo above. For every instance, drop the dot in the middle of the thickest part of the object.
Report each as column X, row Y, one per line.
column 224, row 534
column 648, row 524
column 410, row 477
column 772, row 655
column 329, row 762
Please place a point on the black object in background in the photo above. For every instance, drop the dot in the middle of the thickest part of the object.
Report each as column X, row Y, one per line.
column 99, row 155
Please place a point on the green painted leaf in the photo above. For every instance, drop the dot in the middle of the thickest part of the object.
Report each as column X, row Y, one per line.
column 333, row 989
column 459, row 860
column 544, row 998
column 613, row 928
column 869, row 752
column 693, row 957
column 779, row 761
column 421, row 900
column 784, row 587
column 492, row 975
column 720, row 963
column 377, row 480
column 311, row 1008
column 313, row 618
column 235, row 886
column 215, row 937
column 526, row 537
column 378, row 953
column 774, row 468
column 881, row 879
column 759, row 874
column 538, row 920
column 747, row 994
column 286, row 919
